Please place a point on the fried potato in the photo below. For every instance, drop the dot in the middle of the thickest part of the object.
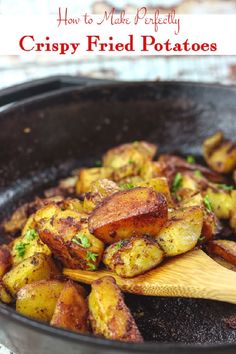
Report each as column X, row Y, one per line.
column 71, row 311
column 137, row 255
column 151, row 169
column 136, row 212
column 28, row 243
column 160, row 185
column 109, row 315
column 220, row 153
column 89, row 175
column 38, row 300
column 66, row 234
column 182, row 231
column 17, row 220
column 127, row 159
column 28, row 271
column 5, row 260
column 223, row 248
column 223, row 202
column 5, row 297
column 211, row 224
column 99, row 190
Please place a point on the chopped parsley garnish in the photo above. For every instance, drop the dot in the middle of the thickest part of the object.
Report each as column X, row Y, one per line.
column 201, row 239
column 98, row 163
column 177, row 182
column 225, row 187
column 31, row 234
column 119, row 244
column 198, row 173
column 81, row 240
column 127, row 186
column 21, row 249
column 207, row 203
column 91, row 266
column 91, row 256
column 190, row 159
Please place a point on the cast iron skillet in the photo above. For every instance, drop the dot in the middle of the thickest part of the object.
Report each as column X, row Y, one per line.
column 72, row 126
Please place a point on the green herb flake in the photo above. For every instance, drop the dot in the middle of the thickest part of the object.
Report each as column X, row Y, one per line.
column 201, row 239
column 81, row 240
column 198, row 173
column 21, row 249
column 91, row 266
column 225, row 187
column 131, row 162
column 119, row 244
column 31, row 234
column 98, row 163
column 127, row 186
column 190, row 159
column 207, row 203
column 91, row 256
column 177, row 182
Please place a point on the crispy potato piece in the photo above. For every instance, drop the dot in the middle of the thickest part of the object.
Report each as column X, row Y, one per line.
column 171, row 164
column 5, row 260
column 160, row 185
column 127, row 159
column 28, row 243
column 89, row 175
column 211, row 225
column 223, row 248
column 223, row 202
column 182, row 231
column 71, row 311
column 220, row 153
column 137, row 255
column 5, row 297
column 136, row 212
column 109, row 315
column 28, row 271
column 17, row 220
column 38, row 300
column 99, row 190
column 66, row 234
column 151, row 169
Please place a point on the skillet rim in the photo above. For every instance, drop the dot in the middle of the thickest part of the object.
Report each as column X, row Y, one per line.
column 91, row 340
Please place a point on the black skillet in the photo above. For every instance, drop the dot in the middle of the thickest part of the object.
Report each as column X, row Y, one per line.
column 71, row 126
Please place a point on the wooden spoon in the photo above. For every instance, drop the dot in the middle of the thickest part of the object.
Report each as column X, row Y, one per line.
column 193, row 274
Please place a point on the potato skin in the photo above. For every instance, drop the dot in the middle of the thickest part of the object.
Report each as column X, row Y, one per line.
column 5, row 297
column 128, row 258
column 225, row 249
column 28, row 271
column 59, row 229
column 109, row 315
column 220, row 153
column 71, row 311
column 132, row 212
column 5, row 260
column 182, row 231
column 160, row 185
column 38, row 300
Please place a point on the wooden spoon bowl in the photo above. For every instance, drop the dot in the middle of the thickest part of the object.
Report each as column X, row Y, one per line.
column 193, row 275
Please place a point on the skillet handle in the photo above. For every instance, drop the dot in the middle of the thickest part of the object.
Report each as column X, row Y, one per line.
column 41, row 86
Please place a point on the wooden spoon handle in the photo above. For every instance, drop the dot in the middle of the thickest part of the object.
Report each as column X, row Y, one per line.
column 191, row 275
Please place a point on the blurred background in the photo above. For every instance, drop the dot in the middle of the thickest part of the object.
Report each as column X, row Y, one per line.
column 17, row 69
